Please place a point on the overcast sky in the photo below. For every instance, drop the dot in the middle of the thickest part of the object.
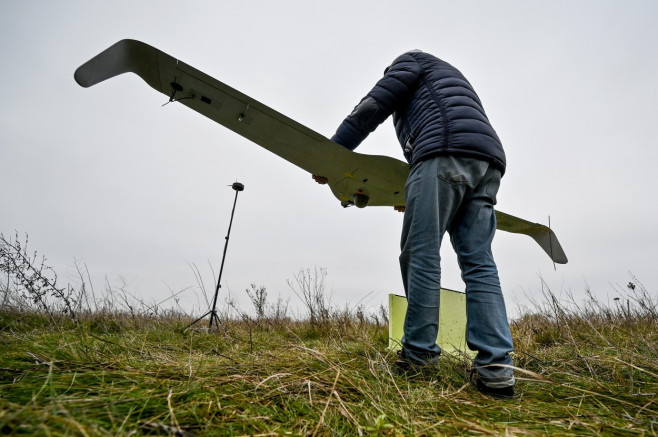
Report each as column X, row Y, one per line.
column 108, row 177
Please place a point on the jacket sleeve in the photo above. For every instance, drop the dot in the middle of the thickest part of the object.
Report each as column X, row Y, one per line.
column 391, row 92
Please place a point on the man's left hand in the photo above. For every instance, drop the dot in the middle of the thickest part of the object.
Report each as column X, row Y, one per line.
column 320, row 179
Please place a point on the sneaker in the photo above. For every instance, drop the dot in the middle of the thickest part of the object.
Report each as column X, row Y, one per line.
column 403, row 364
column 410, row 367
column 505, row 392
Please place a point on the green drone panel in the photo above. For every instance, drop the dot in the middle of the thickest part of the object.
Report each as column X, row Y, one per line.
column 452, row 322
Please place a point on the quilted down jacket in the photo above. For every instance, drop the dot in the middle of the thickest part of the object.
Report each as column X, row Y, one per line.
column 435, row 111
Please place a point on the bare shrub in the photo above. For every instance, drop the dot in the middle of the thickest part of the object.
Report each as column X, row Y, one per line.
column 383, row 312
column 639, row 302
column 278, row 311
column 258, row 297
column 309, row 287
column 273, row 313
column 34, row 279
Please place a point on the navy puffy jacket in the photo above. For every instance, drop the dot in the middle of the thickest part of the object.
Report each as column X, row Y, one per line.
column 435, row 112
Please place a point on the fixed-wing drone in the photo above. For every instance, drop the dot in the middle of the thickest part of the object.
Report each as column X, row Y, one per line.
column 354, row 178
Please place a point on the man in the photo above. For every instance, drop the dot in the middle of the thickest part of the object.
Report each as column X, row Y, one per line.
column 457, row 161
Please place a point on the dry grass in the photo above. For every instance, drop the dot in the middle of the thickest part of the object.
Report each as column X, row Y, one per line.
column 584, row 369
column 122, row 375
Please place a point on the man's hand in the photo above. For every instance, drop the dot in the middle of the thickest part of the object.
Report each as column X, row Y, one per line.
column 320, row 179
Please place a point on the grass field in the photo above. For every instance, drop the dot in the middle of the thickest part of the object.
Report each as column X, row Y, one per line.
column 103, row 369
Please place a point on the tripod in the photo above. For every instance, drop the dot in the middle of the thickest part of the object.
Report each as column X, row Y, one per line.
column 237, row 186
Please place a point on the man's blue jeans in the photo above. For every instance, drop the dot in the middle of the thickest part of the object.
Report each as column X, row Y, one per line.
column 455, row 195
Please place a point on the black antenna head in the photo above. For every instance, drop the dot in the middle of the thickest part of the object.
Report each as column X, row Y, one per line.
column 237, row 186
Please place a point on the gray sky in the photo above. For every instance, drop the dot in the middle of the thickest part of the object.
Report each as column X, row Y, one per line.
column 108, row 177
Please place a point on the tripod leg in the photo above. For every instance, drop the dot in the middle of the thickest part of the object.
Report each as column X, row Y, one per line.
column 200, row 318
column 214, row 317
